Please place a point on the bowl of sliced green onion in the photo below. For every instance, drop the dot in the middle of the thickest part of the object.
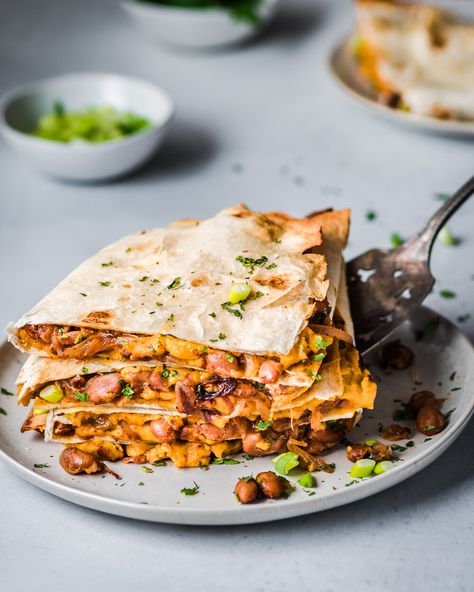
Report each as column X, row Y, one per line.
column 86, row 126
column 200, row 24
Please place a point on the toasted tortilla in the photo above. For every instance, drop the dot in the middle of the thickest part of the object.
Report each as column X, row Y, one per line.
column 174, row 280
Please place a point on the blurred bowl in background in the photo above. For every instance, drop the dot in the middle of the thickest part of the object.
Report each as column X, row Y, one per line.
column 193, row 28
column 21, row 109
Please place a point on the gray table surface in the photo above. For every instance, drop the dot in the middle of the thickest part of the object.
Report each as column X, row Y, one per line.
column 265, row 125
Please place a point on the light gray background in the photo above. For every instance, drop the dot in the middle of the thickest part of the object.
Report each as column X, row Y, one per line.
column 271, row 110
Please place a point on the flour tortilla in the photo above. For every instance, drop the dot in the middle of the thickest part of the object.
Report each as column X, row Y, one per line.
column 119, row 288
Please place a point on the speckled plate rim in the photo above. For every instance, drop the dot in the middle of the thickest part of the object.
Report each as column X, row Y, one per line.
column 340, row 67
column 269, row 511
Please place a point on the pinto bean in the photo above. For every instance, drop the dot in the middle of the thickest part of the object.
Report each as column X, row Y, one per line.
column 185, row 396
column 430, row 421
column 222, row 363
column 104, row 387
column 138, row 381
column 272, row 485
column 270, row 371
column 377, row 452
column 394, row 432
column 75, row 461
column 246, row 490
column 255, row 444
column 420, row 399
column 396, row 356
column 63, row 429
column 156, row 382
column 162, row 431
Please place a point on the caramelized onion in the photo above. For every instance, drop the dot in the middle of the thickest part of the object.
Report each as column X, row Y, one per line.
column 333, row 332
column 215, row 387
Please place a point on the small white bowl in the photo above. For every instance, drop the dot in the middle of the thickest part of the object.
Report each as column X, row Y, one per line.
column 195, row 28
column 21, row 109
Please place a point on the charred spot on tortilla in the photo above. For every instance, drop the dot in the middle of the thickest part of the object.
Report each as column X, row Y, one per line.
column 99, row 316
column 279, row 282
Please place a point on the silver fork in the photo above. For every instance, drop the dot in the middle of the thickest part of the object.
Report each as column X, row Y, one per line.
column 387, row 285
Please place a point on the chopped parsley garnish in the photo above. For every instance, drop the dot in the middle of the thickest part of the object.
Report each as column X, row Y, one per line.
column 405, row 413
column 353, row 482
column 140, row 483
column 146, row 469
column 165, row 372
column 320, row 343
column 229, row 358
column 277, row 241
column 427, row 330
column 2, row 411
column 174, row 374
column 175, row 284
column 83, row 294
column 127, row 390
column 143, row 278
column 224, row 461
column 263, row 425
column 108, row 264
column 171, row 317
column 105, row 284
column 128, row 249
column 463, row 318
column 79, row 338
column 248, row 456
column 442, row 196
column 449, row 413
column 311, row 374
column 252, row 263
column 449, row 294
column 259, row 294
column 222, row 335
column 159, row 463
column 212, row 314
column 370, row 215
column 204, row 349
column 260, row 385
column 396, row 240
column 318, row 357
column 228, row 307
column 5, row 392
column 41, row 466
column 191, row 490
column 272, row 266
column 452, row 376
column 158, row 303
column 81, row 397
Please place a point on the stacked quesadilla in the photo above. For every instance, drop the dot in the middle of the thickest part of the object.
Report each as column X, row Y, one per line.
column 197, row 341
column 416, row 57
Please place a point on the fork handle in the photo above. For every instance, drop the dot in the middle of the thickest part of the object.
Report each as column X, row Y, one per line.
column 421, row 244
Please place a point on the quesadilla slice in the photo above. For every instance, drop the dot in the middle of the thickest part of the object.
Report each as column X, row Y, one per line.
column 130, row 362
column 415, row 57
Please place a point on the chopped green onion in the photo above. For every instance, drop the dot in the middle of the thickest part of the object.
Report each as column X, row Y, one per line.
column 383, row 467
column 239, row 292
column 446, row 237
column 263, row 425
column 370, row 442
column 285, row 462
column 52, row 394
column 363, row 468
column 307, row 480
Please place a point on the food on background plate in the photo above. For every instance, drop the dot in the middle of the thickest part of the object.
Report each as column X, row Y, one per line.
column 93, row 124
column 416, row 58
column 240, row 10
column 200, row 340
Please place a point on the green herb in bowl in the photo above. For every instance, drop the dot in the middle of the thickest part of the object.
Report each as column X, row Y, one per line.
column 93, row 124
column 242, row 10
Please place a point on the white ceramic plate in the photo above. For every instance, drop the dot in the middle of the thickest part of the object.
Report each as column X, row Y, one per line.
column 342, row 67
column 156, row 497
